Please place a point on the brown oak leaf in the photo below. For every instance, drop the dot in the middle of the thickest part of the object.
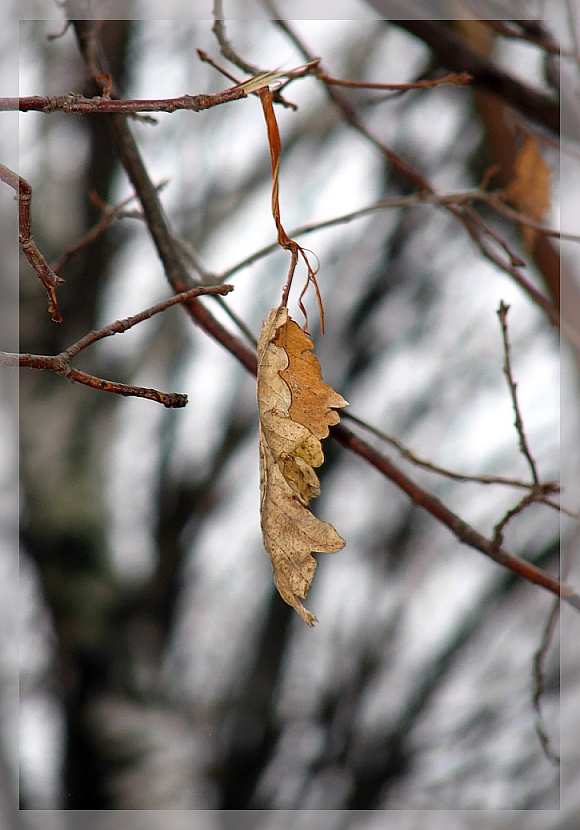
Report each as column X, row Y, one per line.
column 529, row 190
column 296, row 410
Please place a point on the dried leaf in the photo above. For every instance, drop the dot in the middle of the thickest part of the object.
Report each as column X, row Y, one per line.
column 296, row 410
column 529, row 190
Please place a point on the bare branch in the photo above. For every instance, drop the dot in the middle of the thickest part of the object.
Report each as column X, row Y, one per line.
column 416, row 200
column 203, row 56
column 540, row 683
column 507, row 29
column 109, row 215
column 119, row 326
column 519, row 425
column 100, row 104
column 538, row 491
column 61, row 366
column 61, row 363
column 454, row 78
column 434, row 468
column 27, row 244
column 226, row 48
column 464, row 532
column 524, row 502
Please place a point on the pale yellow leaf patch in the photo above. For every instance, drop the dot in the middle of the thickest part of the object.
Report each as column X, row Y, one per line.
column 295, row 409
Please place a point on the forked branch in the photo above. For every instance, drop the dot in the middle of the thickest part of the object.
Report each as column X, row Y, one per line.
column 61, row 363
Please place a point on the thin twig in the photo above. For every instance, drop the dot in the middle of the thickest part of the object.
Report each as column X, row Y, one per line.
column 108, row 216
column 61, row 363
column 203, row 56
column 229, row 53
column 120, row 326
column 27, row 244
column 226, row 48
column 540, row 683
column 464, row 532
column 519, row 425
column 515, row 260
column 101, row 104
column 503, row 28
column 524, row 502
column 416, row 200
column 434, row 468
column 454, row 78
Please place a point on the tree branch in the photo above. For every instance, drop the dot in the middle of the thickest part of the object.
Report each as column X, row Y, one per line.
column 549, row 487
column 454, row 78
column 508, row 30
column 74, row 103
column 61, row 363
column 27, row 244
column 226, row 47
column 461, row 197
column 507, row 368
column 464, row 532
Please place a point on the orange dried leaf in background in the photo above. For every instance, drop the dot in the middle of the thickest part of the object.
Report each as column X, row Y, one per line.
column 295, row 410
column 529, row 190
